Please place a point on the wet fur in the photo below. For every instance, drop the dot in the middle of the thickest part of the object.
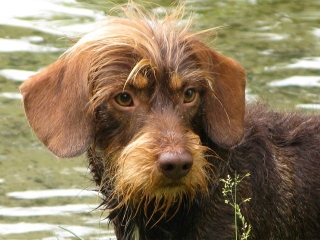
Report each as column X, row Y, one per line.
column 280, row 151
column 71, row 106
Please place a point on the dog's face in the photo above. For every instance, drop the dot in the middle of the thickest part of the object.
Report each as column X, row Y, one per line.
column 138, row 92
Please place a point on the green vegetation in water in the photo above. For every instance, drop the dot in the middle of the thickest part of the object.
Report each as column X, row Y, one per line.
column 229, row 191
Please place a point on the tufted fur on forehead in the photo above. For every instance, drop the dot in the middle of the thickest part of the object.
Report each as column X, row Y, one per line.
column 121, row 50
column 165, row 42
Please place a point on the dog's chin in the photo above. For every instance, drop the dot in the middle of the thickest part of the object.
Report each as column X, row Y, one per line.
column 166, row 201
column 166, row 196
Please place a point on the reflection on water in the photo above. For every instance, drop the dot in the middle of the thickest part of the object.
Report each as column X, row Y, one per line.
column 278, row 42
column 59, row 232
column 49, row 16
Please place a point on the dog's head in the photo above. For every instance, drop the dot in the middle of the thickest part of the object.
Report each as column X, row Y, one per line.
column 138, row 91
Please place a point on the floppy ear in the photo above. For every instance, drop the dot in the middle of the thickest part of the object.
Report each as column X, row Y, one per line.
column 224, row 100
column 55, row 102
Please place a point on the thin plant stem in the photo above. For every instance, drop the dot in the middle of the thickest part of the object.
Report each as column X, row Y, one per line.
column 80, row 238
column 230, row 192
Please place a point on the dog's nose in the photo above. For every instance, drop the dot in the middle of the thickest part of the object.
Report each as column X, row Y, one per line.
column 175, row 165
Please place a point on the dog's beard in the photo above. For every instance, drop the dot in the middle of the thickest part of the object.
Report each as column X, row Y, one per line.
column 137, row 182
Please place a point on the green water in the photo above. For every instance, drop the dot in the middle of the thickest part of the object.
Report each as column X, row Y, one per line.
column 266, row 37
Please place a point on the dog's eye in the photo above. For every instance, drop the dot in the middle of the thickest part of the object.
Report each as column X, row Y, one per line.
column 189, row 95
column 124, row 99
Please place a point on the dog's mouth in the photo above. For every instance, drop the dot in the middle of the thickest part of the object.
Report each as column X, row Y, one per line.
column 168, row 188
column 172, row 185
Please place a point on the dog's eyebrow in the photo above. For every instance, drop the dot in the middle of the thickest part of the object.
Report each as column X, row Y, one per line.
column 140, row 81
column 175, row 81
column 137, row 77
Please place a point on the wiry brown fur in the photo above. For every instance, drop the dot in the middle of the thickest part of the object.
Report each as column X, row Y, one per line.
column 73, row 106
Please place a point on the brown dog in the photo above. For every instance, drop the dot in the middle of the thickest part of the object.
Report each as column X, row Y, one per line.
column 162, row 118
